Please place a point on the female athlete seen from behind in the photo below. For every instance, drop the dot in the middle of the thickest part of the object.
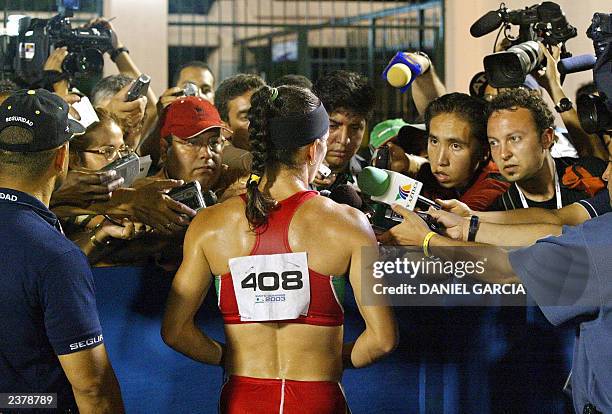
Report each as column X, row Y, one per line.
column 282, row 253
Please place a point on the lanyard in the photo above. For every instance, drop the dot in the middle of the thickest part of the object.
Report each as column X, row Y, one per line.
column 557, row 191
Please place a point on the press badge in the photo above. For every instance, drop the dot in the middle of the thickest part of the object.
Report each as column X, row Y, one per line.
column 271, row 287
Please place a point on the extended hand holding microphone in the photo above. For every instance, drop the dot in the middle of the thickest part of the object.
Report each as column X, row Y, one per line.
column 389, row 187
column 402, row 70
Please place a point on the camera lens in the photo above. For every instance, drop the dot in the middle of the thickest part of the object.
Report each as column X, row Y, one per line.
column 90, row 61
column 508, row 69
column 85, row 62
column 69, row 65
column 593, row 113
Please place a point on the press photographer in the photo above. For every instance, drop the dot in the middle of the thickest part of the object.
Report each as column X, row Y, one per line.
column 543, row 22
column 595, row 110
column 25, row 51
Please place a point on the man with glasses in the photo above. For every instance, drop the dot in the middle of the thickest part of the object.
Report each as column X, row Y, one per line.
column 96, row 228
column 192, row 142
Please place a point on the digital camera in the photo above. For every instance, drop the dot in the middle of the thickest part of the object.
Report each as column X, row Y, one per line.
column 189, row 194
column 127, row 167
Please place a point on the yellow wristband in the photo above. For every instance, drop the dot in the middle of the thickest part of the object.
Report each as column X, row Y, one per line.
column 426, row 243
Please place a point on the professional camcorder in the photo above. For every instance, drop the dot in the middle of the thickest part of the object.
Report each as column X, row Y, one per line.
column 23, row 54
column 544, row 22
column 595, row 111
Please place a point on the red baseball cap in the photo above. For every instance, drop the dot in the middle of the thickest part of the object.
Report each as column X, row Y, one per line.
column 189, row 116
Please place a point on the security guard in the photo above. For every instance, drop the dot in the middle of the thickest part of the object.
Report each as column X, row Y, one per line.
column 50, row 336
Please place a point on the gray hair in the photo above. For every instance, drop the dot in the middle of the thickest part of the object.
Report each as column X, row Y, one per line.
column 107, row 87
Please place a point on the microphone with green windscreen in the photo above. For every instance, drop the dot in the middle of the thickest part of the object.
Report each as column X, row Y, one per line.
column 390, row 187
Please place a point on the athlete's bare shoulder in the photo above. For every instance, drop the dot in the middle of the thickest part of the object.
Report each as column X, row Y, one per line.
column 218, row 217
column 338, row 220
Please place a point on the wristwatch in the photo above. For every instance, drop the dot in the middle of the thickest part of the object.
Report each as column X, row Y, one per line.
column 114, row 54
column 563, row 105
column 474, row 222
column 425, row 55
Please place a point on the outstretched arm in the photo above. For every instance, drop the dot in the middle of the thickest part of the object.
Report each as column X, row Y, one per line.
column 413, row 230
column 427, row 86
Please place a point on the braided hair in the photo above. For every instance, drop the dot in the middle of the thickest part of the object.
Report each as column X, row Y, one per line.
column 268, row 103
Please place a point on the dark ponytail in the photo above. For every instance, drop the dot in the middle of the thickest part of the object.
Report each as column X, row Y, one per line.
column 258, row 204
column 267, row 103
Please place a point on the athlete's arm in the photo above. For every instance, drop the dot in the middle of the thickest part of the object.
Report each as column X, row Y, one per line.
column 93, row 381
column 189, row 288
column 381, row 334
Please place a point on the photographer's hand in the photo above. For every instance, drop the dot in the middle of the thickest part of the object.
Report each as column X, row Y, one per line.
column 549, row 77
column 129, row 113
column 170, row 95
column 101, row 22
column 410, row 232
column 54, row 64
column 55, row 59
column 81, row 188
column 151, row 205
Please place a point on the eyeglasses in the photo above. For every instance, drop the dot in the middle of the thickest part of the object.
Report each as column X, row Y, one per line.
column 111, row 152
column 214, row 144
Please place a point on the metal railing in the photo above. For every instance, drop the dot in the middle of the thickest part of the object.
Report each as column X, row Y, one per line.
column 273, row 38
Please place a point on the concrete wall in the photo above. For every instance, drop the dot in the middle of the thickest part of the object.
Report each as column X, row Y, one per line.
column 142, row 28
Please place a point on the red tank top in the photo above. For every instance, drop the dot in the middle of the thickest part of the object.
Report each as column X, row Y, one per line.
column 326, row 292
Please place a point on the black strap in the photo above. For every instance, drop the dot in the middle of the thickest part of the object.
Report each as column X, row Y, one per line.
column 474, row 221
column 115, row 53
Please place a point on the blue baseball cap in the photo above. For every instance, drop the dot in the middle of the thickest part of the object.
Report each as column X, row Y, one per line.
column 41, row 112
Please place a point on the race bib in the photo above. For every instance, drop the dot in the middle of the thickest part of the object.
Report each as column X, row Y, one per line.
column 271, row 287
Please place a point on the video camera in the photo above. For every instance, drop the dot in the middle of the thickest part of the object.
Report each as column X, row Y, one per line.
column 24, row 53
column 543, row 22
column 595, row 111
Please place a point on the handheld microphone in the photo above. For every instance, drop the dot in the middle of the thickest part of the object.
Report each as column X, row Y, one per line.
column 390, row 187
column 486, row 24
column 575, row 64
column 401, row 71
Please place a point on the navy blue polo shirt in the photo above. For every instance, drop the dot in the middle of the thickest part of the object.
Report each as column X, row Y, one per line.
column 598, row 205
column 47, row 302
column 570, row 278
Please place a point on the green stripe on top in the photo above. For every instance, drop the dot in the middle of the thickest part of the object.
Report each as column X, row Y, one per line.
column 339, row 284
column 218, row 286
